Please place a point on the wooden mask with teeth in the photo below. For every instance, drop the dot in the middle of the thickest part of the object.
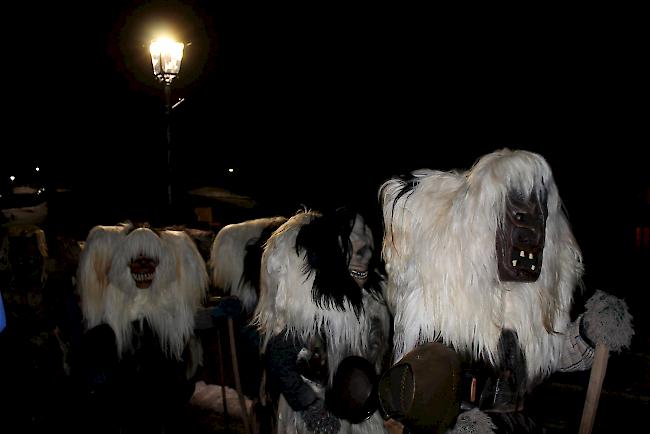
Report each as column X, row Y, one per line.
column 520, row 238
column 362, row 243
column 128, row 273
column 472, row 253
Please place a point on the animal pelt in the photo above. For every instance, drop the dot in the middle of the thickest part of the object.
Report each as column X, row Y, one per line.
column 288, row 302
column 235, row 258
column 439, row 248
column 307, row 292
column 290, row 423
column 109, row 293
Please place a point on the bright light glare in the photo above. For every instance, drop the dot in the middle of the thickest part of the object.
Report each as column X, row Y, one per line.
column 12, row 178
column 231, row 170
column 38, row 168
column 166, row 57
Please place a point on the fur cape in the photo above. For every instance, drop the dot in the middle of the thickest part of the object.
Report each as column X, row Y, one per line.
column 291, row 302
column 234, row 246
column 109, row 294
column 439, row 246
column 287, row 302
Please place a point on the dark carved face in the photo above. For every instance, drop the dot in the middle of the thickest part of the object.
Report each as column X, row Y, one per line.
column 143, row 270
column 520, row 244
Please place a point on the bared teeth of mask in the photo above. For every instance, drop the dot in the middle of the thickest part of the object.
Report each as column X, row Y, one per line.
column 359, row 274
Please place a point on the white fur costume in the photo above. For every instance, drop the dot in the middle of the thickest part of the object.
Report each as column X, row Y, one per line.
column 227, row 258
column 439, row 248
column 109, row 293
column 286, row 305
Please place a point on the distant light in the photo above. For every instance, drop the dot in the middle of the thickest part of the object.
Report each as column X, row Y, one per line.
column 38, row 168
column 12, row 178
column 231, row 170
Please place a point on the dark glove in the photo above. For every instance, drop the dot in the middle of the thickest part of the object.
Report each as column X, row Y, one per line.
column 203, row 319
column 228, row 306
column 319, row 420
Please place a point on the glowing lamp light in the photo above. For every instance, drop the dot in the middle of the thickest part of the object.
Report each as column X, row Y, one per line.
column 166, row 57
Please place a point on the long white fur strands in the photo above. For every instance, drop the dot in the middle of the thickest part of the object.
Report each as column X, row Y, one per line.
column 227, row 258
column 290, row 421
column 286, row 299
column 286, row 305
column 439, row 248
column 109, row 294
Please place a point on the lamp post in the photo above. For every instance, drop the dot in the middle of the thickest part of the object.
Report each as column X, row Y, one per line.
column 166, row 57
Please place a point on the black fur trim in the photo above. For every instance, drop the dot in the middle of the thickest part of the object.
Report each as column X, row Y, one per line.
column 409, row 182
column 253, row 256
column 326, row 243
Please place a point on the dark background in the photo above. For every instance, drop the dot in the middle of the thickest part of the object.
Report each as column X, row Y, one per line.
column 318, row 106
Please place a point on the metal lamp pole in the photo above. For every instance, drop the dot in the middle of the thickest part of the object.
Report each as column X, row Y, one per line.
column 168, row 121
column 166, row 57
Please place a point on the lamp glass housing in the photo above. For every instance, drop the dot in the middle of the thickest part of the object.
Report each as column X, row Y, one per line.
column 166, row 57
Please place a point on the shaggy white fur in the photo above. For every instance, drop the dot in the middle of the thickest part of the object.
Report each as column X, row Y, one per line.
column 439, row 248
column 227, row 258
column 286, row 300
column 286, row 304
column 109, row 294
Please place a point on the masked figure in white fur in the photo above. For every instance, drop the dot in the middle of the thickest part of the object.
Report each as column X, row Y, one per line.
column 234, row 266
column 140, row 290
column 485, row 262
column 235, row 259
column 321, row 304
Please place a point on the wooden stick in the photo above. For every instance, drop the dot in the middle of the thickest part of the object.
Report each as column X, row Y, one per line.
column 223, row 382
column 235, row 368
column 598, row 370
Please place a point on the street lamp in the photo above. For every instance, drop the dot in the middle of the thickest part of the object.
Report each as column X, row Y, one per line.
column 166, row 57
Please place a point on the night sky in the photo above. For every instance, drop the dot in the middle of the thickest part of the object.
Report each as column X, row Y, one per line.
column 319, row 106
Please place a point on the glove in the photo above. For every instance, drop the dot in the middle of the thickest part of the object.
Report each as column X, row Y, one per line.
column 319, row 420
column 607, row 321
column 227, row 306
column 473, row 422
